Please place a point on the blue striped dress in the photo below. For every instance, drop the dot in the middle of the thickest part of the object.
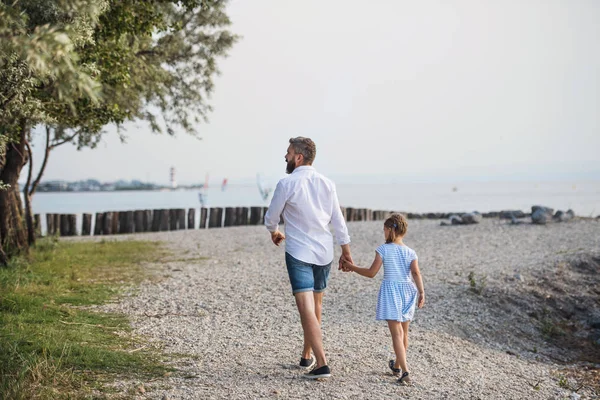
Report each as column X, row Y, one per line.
column 398, row 294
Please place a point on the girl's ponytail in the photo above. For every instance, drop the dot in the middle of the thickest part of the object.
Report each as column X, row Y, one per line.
column 398, row 226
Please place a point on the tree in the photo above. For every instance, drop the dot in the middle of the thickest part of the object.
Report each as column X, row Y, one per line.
column 123, row 60
column 37, row 47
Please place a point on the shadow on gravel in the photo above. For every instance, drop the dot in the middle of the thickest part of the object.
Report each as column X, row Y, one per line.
column 565, row 303
column 561, row 306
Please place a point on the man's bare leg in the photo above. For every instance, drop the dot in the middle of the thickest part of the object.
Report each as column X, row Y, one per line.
column 318, row 297
column 305, row 302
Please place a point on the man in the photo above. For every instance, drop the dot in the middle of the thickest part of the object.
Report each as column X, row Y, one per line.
column 308, row 202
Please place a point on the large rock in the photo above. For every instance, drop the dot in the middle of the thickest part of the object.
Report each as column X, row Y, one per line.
column 471, row 218
column 456, row 220
column 540, row 217
column 547, row 210
column 561, row 216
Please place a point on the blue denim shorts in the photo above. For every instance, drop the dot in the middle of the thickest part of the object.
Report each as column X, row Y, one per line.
column 306, row 277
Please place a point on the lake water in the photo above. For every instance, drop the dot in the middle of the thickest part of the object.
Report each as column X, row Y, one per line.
column 582, row 197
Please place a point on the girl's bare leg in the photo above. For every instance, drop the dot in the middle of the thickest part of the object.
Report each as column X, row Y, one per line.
column 405, row 330
column 398, row 342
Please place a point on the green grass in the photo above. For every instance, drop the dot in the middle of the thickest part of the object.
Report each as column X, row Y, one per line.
column 50, row 346
column 477, row 286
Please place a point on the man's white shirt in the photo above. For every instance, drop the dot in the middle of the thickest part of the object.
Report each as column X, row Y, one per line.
column 309, row 203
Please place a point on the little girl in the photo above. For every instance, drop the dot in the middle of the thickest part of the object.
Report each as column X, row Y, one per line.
column 398, row 294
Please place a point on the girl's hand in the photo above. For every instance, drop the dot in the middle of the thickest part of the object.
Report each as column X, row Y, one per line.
column 421, row 301
column 347, row 266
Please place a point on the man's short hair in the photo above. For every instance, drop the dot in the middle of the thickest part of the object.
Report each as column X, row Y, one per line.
column 306, row 147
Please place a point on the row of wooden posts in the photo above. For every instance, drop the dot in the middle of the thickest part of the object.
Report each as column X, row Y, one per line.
column 118, row 222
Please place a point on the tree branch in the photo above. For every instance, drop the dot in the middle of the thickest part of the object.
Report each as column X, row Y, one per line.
column 26, row 188
column 8, row 100
column 43, row 168
column 149, row 52
column 70, row 138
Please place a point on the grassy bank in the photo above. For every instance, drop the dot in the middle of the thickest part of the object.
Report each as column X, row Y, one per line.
column 52, row 347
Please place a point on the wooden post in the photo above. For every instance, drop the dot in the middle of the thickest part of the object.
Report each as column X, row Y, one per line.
column 147, row 221
column 138, row 217
column 343, row 210
column 229, row 216
column 181, row 218
column 255, row 215
column 64, row 225
column 122, row 222
column 86, row 226
column 241, row 217
column 72, row 218
column 37, row 225
column 349, row 214
column 203, row 217
column 191, row 218
column 107, row 223
column 164, row 220
column 56, row 224
column 129, row 222
column 156, row 215
column 99, row 224
column 115, row 222
column 173, row 220
column 216, row 215
column 50, row 227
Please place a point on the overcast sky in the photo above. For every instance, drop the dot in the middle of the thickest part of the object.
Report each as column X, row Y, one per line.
column 419, row 90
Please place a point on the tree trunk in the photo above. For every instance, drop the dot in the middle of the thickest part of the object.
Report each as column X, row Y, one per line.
column 27, row 198
column 29, row 220
column 13, row 234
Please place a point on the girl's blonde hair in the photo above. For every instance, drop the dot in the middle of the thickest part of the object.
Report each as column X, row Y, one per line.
column 398, row 226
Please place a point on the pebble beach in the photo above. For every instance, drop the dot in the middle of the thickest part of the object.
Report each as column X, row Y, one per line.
column 221, row 306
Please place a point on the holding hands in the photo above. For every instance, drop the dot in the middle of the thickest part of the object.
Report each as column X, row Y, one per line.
column 346, row 264
column 345, row 258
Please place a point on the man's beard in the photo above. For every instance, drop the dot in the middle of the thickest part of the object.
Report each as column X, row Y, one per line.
column 290, row 167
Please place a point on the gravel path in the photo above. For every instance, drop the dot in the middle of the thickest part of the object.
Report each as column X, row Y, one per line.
column 225, row 310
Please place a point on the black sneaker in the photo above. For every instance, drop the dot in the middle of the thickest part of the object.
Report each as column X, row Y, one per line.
column 395, row 371
column 307, row 362
column 404, row 379
column 319, row 373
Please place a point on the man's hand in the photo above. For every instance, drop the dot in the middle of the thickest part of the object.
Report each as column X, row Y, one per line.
column 347, row 266
column 277, row 237
column 346, row 256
